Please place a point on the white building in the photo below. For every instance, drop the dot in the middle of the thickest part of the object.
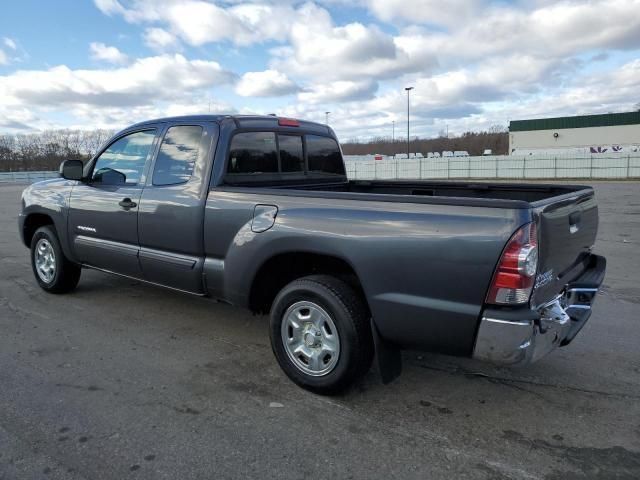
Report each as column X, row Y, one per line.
column 606, row 133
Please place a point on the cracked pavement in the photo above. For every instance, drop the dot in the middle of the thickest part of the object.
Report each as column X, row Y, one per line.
column 123, row 380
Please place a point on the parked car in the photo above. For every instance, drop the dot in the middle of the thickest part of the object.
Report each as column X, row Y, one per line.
column 447, row 153
column 257, row 211
column 460, row 153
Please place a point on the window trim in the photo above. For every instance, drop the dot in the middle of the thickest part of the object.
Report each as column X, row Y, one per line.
column 142, row 180
column 161, row 137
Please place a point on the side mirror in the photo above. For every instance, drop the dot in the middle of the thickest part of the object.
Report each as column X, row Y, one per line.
column 71, row 169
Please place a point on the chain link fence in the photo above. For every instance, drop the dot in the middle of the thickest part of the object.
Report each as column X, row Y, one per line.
column 486, row 167
column 490, row 167
column 25, row 177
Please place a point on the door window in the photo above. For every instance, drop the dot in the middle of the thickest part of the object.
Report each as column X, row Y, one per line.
column 178, row 155
column 123, row 162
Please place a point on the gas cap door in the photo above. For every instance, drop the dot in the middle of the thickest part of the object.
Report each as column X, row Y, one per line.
column 264, row 216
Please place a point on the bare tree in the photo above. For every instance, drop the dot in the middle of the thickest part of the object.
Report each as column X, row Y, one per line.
column 47, row 149
column 497, row 139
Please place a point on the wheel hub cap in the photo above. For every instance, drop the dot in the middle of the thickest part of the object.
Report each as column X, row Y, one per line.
column 45, row 260
column 310, row 338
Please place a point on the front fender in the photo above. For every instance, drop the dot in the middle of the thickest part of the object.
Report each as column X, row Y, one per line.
column 51, row 199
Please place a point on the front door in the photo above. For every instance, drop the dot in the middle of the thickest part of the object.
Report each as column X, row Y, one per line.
column 103, row 211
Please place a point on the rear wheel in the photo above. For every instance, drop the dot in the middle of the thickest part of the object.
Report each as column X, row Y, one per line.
column 320, row 333
column 53, row 271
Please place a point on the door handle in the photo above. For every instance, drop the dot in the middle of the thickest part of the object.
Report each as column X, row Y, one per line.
column 126, row 203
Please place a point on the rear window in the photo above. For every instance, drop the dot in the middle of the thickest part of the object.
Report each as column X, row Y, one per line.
column 291, row 153
column 282, row 156
column 253, row 152
column 324, row 155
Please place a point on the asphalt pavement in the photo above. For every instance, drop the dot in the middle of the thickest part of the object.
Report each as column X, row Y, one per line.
column 121, row 380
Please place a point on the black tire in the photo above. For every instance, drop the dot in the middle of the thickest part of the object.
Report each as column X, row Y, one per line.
column 350, row 315
column 66, row 275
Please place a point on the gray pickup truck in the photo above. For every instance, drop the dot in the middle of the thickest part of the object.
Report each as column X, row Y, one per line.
column 257, row 211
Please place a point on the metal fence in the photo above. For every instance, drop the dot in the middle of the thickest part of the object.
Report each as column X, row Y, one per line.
column 25, row 177
column 507, row 167
column 487, row 167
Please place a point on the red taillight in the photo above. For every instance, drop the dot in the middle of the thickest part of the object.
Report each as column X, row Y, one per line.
column 288, row 122
column 515, row 274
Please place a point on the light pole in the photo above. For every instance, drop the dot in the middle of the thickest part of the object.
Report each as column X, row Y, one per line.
column 326, row 117
column 408, row 89
column 393, row 137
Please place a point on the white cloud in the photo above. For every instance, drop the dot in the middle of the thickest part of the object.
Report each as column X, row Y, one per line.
column 100, row 51
column 321, row 50
column 473, row 63
column 198, row 22
column 10, row 46
column 109, row 7
column 86, row 116
column 10, row 43
column 452, row 13
column 145, row 81
column 559, row 29
column 20, row 118
column 268, row 83
column 160, row 39
column 339, row 91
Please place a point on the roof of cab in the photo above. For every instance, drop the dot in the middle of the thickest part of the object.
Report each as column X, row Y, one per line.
column 240, row 119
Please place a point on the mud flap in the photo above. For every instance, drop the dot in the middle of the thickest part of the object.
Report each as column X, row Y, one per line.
column 388, row 357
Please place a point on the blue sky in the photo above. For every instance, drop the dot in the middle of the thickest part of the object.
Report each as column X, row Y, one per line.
column 473, row 63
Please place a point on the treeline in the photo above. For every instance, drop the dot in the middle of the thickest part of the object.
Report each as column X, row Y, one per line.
column 496, row 140
column 46, row 150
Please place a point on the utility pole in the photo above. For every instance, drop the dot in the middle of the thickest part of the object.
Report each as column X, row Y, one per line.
column 326, row 117
column 408, row 89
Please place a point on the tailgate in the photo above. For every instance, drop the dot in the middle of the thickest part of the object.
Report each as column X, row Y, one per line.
column 567, row 228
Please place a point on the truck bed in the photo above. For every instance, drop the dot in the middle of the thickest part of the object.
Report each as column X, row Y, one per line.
column 533, row 195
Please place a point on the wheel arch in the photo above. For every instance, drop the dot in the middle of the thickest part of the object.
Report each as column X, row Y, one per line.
column 282, row 268
column 32, row 222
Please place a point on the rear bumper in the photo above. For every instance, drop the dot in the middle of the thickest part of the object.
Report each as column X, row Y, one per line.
column 522, row 336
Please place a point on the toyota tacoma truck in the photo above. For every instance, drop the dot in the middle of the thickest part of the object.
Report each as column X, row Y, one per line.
column 257, row 211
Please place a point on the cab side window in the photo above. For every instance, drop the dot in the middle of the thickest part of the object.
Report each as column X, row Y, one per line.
column 122, row 163
column 178, row 155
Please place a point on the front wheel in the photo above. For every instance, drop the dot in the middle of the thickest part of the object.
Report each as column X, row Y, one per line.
column 53, row 271
column 320, row 333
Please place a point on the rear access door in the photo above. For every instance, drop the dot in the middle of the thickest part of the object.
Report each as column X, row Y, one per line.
column 171, row 215
column 567, row 229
